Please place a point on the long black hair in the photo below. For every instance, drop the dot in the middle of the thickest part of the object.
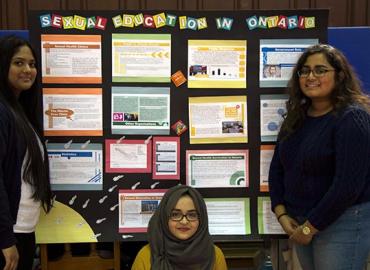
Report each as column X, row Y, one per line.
column 25, row 110
column 347, row 89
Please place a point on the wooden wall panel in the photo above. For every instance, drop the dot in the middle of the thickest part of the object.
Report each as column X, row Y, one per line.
column 303, row 4
column 268, row 4
column 130, row 4
column 2, row 13
column 246, row 4
column 161, row 4
column 74, row 4
column 218, row 5
column 340, row 10
column 188, row 4
column 45, row 4
column 108, row 5
column 16, row 14
column 360, row 13
column 367, row 10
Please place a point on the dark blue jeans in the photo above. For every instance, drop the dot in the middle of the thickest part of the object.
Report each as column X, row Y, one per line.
column 344, row 245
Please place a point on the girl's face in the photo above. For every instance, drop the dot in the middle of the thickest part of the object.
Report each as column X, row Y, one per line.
column 179, row 224
column 22, row 70
column 318, row 79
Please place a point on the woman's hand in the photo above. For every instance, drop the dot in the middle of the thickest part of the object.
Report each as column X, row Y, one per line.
column 289, row 224
column 304, row 238
column 301, row 238
column 11, row 258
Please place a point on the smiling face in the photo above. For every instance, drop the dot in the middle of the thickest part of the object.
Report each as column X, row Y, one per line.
column 184, row 229
column 318, row 88
column 22, row 70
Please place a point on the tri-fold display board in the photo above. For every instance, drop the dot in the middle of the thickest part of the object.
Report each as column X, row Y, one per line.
column 135, row 102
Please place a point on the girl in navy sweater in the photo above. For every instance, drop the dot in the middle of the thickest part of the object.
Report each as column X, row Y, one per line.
column 320, row 173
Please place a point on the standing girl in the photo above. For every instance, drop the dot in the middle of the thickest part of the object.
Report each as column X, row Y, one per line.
column 24, row 174
column 320, row 172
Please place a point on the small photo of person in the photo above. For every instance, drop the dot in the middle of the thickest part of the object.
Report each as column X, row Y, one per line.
column 149, row 206
column 232, row 127
column 197, row 69
column 271, row 71
column 131, row 117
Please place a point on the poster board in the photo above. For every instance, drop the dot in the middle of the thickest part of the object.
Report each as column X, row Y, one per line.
column 216, row 58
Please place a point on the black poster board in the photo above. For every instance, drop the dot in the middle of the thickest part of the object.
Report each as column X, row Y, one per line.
column 108, row 229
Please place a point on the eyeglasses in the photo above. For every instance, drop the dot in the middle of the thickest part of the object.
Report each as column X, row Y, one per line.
column 316, row 71
column 178, row 215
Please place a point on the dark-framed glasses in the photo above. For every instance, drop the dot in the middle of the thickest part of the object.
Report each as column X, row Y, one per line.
column 316, row 71
column 176, row 215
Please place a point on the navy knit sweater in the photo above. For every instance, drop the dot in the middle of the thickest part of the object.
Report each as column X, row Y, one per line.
column 324, row 167
column 11, row 157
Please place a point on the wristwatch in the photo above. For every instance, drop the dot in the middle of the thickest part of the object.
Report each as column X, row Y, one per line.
column 306, row 230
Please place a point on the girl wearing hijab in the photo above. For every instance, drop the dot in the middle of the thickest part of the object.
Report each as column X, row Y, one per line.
column 178, row 235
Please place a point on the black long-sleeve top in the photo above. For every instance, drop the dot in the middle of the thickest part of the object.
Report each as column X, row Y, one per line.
column 11, row 157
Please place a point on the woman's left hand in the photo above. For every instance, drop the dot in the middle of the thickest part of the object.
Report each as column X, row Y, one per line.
column 302, row 238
